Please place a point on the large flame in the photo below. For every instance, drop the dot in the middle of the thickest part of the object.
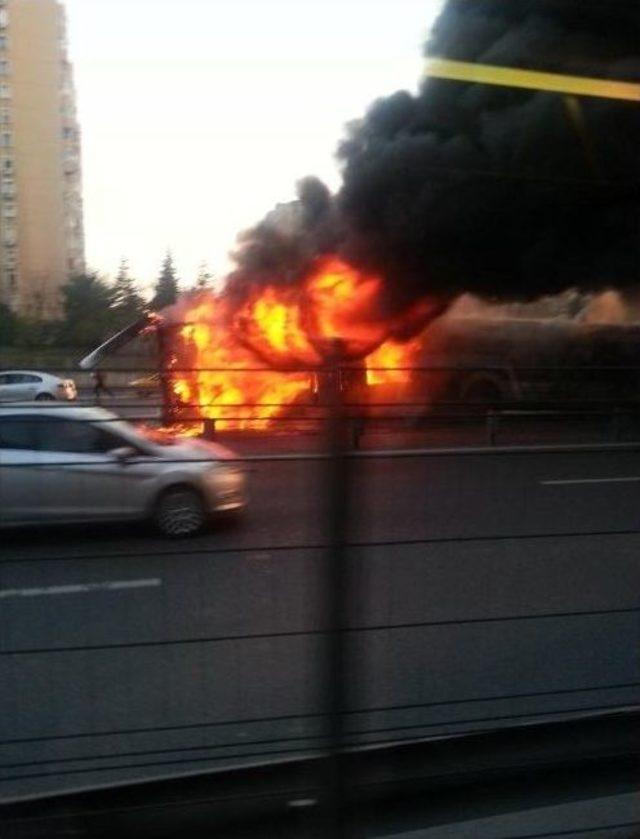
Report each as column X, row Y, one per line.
column 244, row 365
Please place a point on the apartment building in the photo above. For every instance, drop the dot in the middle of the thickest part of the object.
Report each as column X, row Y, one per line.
column 41, row 218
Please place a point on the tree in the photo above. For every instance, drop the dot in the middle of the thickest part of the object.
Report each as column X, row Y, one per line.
column 8, row 326
column 166, row 289
column 205, row 277
column 127, row 303
column 88, row 316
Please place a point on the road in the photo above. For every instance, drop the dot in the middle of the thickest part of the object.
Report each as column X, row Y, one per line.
column 488, row 589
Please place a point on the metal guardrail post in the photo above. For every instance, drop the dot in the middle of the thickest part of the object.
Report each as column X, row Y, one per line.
column 492, row 427
column 165, row 383
column 614, row 426
column 357, row 430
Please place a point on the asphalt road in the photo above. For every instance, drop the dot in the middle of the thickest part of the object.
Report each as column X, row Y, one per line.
column 488, row 589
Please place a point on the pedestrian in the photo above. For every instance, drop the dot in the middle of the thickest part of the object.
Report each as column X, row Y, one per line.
column 100, row 385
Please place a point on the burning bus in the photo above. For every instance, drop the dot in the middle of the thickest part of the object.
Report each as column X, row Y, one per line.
column 532, row 362
column 251, row 362
column 266, row 361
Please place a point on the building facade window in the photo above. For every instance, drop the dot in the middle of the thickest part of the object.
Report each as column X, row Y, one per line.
column 6, row 139
column 4, row 42
column 5, row 90
column 4, row 18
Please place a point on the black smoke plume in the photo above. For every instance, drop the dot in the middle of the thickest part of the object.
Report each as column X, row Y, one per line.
column 282, row 247
column 508, row 194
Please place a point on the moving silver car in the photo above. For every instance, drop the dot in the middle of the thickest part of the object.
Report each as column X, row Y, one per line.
column 61, row 464
column 26, row 385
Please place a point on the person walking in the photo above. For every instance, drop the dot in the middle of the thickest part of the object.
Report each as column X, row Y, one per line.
column 100, row 385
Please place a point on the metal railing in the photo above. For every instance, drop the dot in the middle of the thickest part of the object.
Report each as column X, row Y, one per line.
column 336, row 727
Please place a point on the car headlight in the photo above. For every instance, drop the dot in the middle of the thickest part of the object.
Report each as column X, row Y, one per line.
column 224, row 475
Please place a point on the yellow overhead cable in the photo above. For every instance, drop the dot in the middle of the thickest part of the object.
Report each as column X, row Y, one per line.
column 465, row 71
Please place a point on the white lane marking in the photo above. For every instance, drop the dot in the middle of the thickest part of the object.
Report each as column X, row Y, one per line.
column 632, row 479
column 80, row 588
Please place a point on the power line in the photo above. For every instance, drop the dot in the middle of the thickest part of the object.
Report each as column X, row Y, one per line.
column 152, row 410
column 370, row 419
column 153, row 764
column 213, row 552
column 167, row 751
column 234, row 744
column 305, row 633
column 575, row 831
column 311, row 750
column 378, row 454
column 376, row 709
column 324, row 369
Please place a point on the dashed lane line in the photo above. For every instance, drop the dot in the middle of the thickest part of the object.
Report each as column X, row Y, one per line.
column 80, row 588
column 631, row 479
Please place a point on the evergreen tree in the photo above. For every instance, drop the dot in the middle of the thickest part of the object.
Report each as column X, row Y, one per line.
column 88, row 317
column 126, row 302
column 205, row 278
column 166, row 289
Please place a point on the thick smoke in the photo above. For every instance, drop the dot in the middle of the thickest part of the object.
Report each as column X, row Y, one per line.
column 507, row 194
column 280, row 250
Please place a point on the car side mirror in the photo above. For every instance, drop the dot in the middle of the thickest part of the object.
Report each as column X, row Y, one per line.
column 123, row 454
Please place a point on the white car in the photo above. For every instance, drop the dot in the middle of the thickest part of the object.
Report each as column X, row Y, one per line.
column 71, row 464
column 28, row 385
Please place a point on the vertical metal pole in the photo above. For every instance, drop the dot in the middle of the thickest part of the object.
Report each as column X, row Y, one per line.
column 615, row 425
column 165, row 387
column 209, row 428
column 337, row 594
column 492, row 422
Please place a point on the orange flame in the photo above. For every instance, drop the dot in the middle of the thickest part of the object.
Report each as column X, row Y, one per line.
column 245, row 365
column 390, row 363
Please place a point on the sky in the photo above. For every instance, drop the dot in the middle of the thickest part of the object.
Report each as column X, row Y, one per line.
column 199, row 116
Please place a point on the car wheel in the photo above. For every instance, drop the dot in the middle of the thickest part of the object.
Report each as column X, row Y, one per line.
column 45, row 397
column 179, row 512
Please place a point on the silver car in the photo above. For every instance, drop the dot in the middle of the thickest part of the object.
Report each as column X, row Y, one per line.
column 28, row 385
column 62, row 464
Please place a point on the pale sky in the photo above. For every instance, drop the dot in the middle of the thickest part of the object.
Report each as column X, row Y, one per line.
column 198, row 116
